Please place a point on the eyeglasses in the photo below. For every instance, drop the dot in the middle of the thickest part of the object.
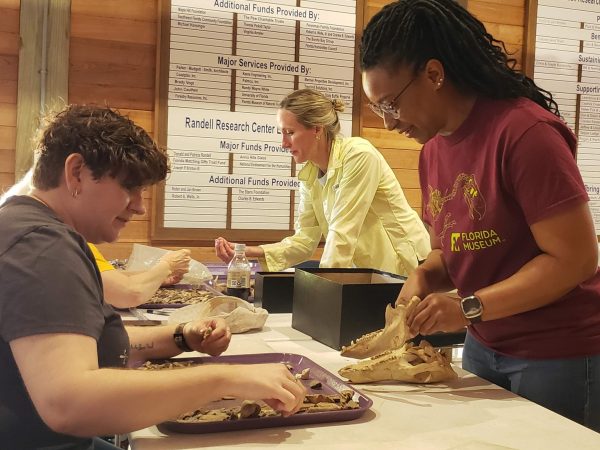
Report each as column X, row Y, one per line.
column 388, row 107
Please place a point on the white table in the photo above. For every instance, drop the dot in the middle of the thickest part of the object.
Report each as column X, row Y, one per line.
column 470, row 413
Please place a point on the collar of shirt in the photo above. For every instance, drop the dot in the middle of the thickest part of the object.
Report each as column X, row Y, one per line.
column 310, row 172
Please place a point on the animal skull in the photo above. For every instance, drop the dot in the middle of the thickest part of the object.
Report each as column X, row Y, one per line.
column 411, row 364
column 394, row 358
column 392, row 336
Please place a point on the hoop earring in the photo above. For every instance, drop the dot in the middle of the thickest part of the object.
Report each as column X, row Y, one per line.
column 75, row 193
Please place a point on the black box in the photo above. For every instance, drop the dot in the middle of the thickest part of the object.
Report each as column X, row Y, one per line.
column 335, row 306
column 275, row 291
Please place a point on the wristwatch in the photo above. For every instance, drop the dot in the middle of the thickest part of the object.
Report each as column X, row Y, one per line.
column 472, row 308
column 179, row 338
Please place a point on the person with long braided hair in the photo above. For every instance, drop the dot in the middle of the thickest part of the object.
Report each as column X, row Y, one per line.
column 504, row 201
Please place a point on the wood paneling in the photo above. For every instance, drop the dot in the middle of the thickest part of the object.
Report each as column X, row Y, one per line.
column 101, row 64
column 122, row 250
column 8, row 114
column 9, row 67
column 10, row 4
column 122, row 30
column 116, row 68
column 9, row 20
column 59, row 34
column 9, row 42
column 8, row 137
column 6, row 181
column 510, row 34
column 144, row 119
column 7, row 160
column 498, row 12
column 382, row 138
column 113, row 96
column 8, row 92
column 112, row 61
column 399, row 158
column 29, row 92
column 414, row 197
column 498, row 3
column 408, row 178
column 136, row 231
column 139, row 10
column 86, row 51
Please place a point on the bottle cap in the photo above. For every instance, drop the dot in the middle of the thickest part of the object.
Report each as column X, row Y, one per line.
column 240, row 247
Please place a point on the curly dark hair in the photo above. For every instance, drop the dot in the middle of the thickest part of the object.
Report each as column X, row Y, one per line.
column 411, row 32
column 110, row 144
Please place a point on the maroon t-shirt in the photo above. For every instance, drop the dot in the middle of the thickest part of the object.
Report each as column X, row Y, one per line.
column 508, row 166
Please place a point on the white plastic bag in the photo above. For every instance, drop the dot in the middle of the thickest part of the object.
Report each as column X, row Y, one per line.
column 143, row 257
column 239, row 315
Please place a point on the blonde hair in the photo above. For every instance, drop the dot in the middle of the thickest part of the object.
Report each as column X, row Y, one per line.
column 313, row 109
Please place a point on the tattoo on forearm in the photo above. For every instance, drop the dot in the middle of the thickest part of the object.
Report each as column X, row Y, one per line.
column 139, row 346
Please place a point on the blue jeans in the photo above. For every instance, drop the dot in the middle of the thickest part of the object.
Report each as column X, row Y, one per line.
column 569, row 387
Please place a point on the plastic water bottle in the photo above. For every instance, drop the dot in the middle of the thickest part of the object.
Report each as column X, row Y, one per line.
column 238, row 274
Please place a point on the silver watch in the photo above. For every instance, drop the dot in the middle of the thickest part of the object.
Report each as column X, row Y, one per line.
column 472, row 308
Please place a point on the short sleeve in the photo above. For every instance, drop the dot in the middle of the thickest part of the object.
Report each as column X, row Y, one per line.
column 49, row 284
column 542, row 174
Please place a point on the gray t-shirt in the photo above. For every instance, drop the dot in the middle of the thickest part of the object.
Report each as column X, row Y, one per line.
column 49, row 283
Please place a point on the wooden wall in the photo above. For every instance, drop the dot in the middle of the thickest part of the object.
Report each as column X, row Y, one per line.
column 9, row 65
column 112, row 61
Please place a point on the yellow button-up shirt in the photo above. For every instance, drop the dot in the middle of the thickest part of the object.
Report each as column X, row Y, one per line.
column 360, row 209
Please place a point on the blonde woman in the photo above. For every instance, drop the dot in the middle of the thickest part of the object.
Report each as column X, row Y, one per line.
column 348, row 194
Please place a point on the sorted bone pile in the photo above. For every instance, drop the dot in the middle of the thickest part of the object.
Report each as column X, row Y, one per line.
column 392, row 358
column 180, row 296
column 149, row 365
column 249, row 409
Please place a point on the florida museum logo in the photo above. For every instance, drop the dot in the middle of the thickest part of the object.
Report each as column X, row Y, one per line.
column 474, row 240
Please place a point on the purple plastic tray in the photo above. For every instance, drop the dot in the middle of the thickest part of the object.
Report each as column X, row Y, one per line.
column 331, row 384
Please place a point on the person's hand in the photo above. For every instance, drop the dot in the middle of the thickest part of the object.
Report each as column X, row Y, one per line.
column 172, row 279
column 272, row 383
column 178, row 262
column 224, row 249
column 211, row 336
column 413, row 286
column 437, row 312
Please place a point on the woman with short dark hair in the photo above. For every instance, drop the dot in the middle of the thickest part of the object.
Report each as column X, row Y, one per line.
column 62, row 348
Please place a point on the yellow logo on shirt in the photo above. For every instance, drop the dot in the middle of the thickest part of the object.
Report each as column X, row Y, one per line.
column 454, row 242
column 474, row 240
